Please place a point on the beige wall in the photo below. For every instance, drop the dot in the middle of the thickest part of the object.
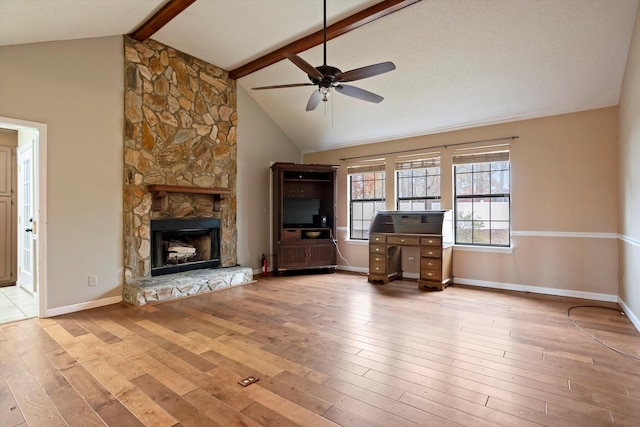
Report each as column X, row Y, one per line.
column 629, row 290
column 564, row 204
column 260, row 143
column 76, row 88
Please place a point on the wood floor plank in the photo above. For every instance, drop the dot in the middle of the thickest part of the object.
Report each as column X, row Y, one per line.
column 286, row 408
column 209, row 317
column 254, row 348
column 181, row 340
column 185, row 412
column 116, row 414
column 218, row 382
column 329, row 350
column 294, row 395
column 33, row 401
column 222, row 414
column 10, row 413
column 73, row 408
column 175, row 382
column 141, row 405
column 92, row 391
column 265, row 416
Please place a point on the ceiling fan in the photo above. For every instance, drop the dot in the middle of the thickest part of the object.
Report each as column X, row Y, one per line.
column 327, row 77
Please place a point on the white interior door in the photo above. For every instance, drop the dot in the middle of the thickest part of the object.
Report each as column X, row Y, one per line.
column 26, row 234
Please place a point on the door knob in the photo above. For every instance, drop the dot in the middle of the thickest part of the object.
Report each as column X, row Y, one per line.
column 28, row 230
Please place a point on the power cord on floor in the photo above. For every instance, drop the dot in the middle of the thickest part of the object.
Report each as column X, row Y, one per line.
column 590, row 335
column 335, row 243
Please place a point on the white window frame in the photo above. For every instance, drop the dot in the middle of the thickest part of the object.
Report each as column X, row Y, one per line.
column 492, row 159
column 417, row 162
column 376, row 166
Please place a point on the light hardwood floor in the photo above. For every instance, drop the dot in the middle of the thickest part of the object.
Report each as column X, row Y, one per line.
column 327, row 349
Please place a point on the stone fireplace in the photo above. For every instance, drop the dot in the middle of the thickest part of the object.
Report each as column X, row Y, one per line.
column 179, row 134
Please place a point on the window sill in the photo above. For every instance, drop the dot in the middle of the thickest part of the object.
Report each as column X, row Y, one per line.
column 356, row 242
column 490, row 249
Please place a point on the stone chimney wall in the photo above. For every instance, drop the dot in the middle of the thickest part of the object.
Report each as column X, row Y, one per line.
column 180, row 129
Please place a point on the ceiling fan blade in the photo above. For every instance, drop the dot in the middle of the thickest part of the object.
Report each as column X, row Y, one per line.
column 304, row 66
column 364, row 72
column 356, row 92
column 282, row 86
column 314, row 100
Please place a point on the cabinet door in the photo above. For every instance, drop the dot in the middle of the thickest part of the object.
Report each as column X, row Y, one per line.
column 292, row 257
column 322, row 255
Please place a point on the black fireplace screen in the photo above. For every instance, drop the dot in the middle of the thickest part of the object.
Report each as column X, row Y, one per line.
column 184, row 244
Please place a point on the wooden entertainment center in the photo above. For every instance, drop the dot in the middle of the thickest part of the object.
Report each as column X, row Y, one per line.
column 304, row 216
column 430, row 231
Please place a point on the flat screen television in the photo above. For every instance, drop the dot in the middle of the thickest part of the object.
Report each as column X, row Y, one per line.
column 299, row 212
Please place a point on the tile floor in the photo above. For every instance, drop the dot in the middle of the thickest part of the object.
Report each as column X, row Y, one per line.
column 16, row 304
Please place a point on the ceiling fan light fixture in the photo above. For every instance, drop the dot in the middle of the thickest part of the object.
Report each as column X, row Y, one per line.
column 325, row 91
column 327, row 77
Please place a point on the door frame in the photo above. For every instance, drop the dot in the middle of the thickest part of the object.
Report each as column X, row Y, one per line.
column 40, row 202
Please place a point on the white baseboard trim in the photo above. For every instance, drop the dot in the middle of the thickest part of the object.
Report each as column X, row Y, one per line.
column 50, row 312
column 537, row 289
column 353, row 269
column 627, row 310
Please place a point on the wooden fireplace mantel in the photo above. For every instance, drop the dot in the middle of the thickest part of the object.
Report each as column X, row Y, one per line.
column 160, row 191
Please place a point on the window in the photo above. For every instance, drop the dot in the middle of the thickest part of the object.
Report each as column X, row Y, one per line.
column 366, row 197
column 418, row 183
column 482, row 199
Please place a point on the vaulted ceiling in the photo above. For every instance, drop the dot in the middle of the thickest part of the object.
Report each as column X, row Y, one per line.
column 460, row 63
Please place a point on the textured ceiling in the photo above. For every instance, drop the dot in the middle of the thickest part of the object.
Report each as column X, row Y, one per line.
column 460, row 63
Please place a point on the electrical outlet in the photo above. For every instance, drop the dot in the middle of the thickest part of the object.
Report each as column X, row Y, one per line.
column 93, row 280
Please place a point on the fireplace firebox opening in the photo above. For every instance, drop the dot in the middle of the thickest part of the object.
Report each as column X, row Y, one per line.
column 184, row 244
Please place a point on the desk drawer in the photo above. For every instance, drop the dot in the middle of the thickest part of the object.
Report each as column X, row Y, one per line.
column 377, row 238
column 377, row 264
column 431, row 241
column 403, row 240
column 377, row 249
column 430, row 275
column 431, row 252
column 432, row 264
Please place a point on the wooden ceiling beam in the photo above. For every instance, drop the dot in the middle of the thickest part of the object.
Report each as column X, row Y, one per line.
column 161, row 18
column 341, row 27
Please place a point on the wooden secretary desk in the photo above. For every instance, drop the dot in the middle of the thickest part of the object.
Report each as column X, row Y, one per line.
column 430, row 231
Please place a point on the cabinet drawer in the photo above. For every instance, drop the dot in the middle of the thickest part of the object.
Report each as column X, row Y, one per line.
column 377, row 238
column 377, row 264
column 431, row 241
column 431, row 252
column 403, row 240
column 377, row 249
column 291, row 234
column 430, row 275
column 434, row 264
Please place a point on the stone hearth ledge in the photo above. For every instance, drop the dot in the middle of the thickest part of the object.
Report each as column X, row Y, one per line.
column 147, row 290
